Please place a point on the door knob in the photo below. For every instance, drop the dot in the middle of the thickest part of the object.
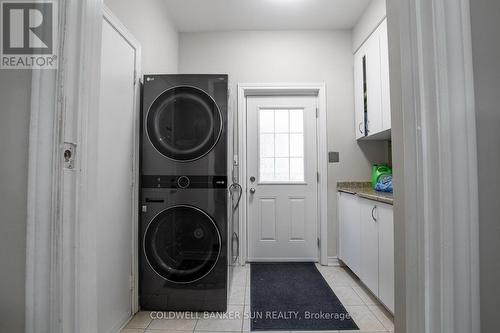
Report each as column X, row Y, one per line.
column 252, row 190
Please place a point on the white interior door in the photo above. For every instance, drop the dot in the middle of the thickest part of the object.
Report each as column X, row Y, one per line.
column 114, row 199
column 282, row 178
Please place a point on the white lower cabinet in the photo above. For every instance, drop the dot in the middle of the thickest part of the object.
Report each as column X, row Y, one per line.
column 386, row 255
column 350, row 241
column 367, row 243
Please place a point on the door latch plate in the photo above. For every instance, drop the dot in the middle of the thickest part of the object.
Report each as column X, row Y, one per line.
column 69, row 153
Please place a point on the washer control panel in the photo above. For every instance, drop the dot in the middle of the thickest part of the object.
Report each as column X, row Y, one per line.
column 184, row 182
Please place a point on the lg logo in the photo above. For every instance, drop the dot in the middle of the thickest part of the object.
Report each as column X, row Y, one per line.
column 29, row 28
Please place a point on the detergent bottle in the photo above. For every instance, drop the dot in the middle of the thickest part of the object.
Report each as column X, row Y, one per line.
column 380, row 171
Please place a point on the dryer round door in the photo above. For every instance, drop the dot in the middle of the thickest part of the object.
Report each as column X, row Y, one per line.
column 184, row 123
column 182, row 244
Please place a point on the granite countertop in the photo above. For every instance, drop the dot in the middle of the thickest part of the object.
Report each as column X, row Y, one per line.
column 365, row 190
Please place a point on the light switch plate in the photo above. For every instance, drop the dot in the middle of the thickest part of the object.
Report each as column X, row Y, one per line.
column 333, row 157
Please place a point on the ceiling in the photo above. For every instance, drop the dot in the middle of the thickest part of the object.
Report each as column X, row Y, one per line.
column 227, row 15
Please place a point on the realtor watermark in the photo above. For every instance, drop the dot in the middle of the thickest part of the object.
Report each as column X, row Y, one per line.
column 236, row 315
column 29, row 34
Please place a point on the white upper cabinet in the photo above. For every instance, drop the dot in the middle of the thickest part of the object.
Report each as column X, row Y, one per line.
column 371, row 86
column 384, row 77
column 359, row 106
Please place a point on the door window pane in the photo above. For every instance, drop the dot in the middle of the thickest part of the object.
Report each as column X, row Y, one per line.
column 296, row 145
column 282, row 169
column 281, row 145
column 267, row 169
column 297, row 169
column 281, row 121
column 266, row 121
column 296, row 121
column 267, row 145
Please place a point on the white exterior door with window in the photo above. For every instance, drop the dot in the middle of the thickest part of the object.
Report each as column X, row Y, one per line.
column 282, row 178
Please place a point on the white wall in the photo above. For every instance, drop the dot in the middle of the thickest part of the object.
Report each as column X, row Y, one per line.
column 15, row 90
column 371, row 18
column 485, row 19
column 150, row 24
column 291, row 56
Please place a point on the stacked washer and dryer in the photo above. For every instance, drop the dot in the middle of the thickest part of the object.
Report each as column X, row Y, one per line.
column 183, row 229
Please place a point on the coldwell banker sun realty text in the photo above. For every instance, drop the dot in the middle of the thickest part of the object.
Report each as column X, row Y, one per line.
column 29, row 34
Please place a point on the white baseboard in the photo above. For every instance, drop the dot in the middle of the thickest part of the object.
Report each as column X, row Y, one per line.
column 335, row 261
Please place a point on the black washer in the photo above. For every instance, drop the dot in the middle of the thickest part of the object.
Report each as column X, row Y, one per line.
column 182, row 244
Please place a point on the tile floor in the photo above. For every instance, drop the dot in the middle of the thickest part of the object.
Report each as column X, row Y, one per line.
column 367, row 312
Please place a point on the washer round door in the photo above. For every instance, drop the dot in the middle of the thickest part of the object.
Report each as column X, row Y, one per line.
column 182, row 244
column 184, row 123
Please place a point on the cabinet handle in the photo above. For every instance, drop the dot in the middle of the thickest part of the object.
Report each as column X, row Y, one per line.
column 359, row 127
column 373, row 216
column 236, row 258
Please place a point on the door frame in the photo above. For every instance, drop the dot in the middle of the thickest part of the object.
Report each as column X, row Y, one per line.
column 435, row 167
column 61, row 267
column 283, row 89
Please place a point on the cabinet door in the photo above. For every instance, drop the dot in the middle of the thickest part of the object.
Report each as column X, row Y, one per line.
column 373, row 84
column 359, row 103
column 349, row 220
column 386, row 255
column 384, row 76
column 369, row 245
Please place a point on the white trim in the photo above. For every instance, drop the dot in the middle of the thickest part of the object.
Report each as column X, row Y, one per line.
column 61, row 276
column 440, row 226
column 370, row 34
column 134, row 43
column 42, row 178
column 79, row 271
column 61, row 241
column 281, row 89
column 54, row 276
column 335, row 261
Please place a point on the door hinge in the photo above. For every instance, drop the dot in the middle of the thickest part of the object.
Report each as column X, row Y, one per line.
column 317, row 112
column 135, row 77
column 317, row 177
column 319, row 242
